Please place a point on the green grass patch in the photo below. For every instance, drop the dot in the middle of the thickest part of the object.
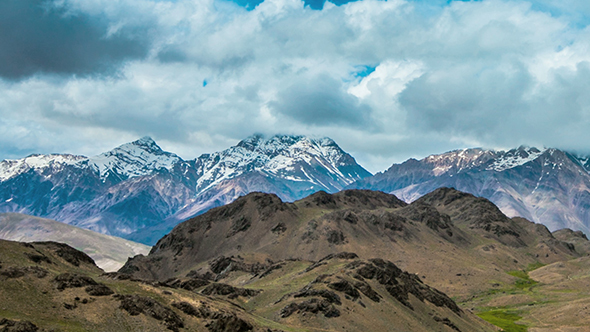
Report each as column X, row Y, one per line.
column 534, row 266
column 505, row 319
column 524, row 282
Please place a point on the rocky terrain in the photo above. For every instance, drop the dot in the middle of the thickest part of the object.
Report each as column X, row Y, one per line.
column 109, row 252
column 139, row 192
column 351, row 261
column 547, row 186
column 47, row 286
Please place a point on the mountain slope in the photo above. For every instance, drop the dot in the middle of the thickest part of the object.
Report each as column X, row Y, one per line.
column 109, row 252
column 458, row 243
column 547, row 186
column 418, row 237
column 51, row 286
column 138, row 191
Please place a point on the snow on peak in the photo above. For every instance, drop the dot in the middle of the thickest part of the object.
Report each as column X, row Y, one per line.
column 515, row 158
column 496, row 160
column 458, row 160
column 137, row 158
column 146, row 142
column 38, row 162
column 284, row 156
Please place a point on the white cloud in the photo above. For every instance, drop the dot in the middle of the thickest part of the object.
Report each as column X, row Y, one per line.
column 497, row 73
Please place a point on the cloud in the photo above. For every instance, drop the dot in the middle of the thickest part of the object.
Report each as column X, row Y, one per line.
column 440, row 75
column 320, row 101
column 46, row 37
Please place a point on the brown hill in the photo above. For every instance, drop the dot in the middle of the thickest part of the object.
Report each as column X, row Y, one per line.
column 53, row 287
column 454, row 241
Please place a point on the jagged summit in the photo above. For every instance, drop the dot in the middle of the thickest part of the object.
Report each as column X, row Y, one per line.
column 138, row 158
column 146, row 141
column 320, row 162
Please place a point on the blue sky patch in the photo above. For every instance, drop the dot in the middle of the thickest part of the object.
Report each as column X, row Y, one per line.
column 364, row 71
column 313, row 4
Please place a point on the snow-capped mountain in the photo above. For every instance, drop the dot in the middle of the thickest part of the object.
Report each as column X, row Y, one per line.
column 138, row 191
column 38, row 163
column 138, row 158
column 548, row 186
column 290, row 166
column 319, row 162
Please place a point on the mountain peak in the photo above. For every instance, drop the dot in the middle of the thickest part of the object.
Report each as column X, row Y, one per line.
column 251, row 142
column 145, row 141
column 137, row 158
column 513, row 158
column 311, row 162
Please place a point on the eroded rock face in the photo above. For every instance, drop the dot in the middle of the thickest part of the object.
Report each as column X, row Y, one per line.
column 229, row 291
column 99, row 290
column 38, row 258
column 72, row 280
column 222, row 321
column 400, row 284
column 229, row 323
column 222, row 264
column 18, row 272
column 313, row 305
column 69, row 254
column 190, row 284
column 345, row 287
column 135, row 305
column 199, row 312
column 327, row 295
column 7, row 325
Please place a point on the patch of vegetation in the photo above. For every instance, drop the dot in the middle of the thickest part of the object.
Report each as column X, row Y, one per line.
column 524, row 282
column 534, row 266
column 504, row 319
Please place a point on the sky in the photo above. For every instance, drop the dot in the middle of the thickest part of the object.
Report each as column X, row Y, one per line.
column 387, row 80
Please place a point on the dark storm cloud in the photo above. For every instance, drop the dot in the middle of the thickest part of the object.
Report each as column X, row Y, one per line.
column 43, row 37
column 321, row 101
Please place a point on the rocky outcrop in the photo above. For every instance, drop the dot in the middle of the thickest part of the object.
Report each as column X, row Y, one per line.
column 135, row 305
column 400, row 284
column 229, row 291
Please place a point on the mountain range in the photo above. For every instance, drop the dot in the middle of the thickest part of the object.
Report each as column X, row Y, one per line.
column 350, row 261
column 356, row 260
column 140, row 192
column 547, row 186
